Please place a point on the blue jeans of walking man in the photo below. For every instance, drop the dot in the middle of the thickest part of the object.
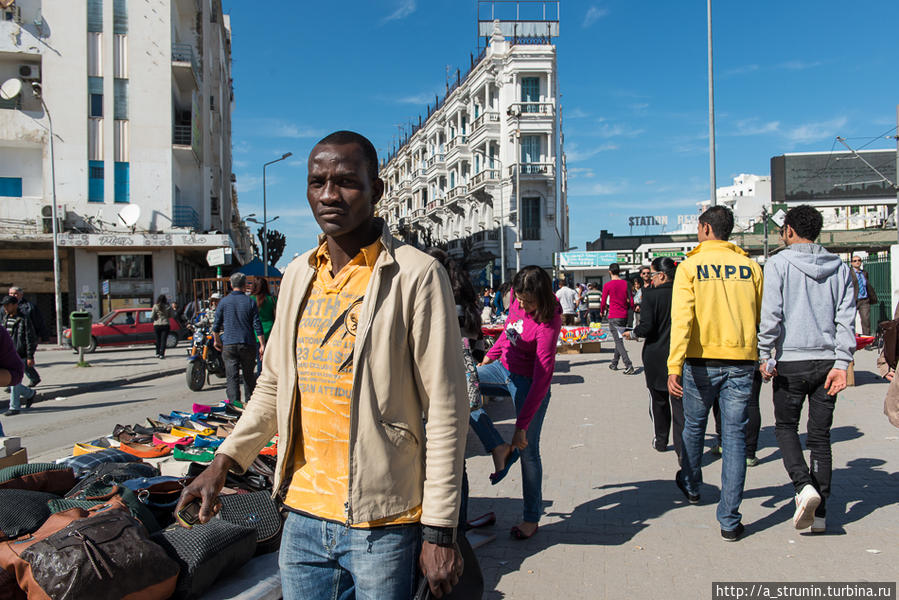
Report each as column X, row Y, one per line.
column 319, row 559
column 496, row 380
column 731, row 384
column 17, row 393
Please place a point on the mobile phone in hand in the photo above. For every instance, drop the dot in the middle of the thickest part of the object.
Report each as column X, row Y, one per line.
column 190, row 514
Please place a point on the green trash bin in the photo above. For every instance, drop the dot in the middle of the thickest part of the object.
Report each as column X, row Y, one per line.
column 81, row 328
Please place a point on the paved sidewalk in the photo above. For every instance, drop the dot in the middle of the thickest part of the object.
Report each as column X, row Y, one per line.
column 110, row 368
column 617, row 527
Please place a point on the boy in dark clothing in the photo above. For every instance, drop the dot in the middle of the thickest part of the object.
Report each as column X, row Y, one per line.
column 24, row 340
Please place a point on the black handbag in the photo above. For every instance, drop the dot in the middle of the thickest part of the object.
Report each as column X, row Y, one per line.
column 256, row 510
column 102, row 477
column 22, row 512
column 471, row 583
column 205, row 553
column 137, row 508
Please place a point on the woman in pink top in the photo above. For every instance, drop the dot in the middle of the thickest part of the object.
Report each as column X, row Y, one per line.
column 527, row 356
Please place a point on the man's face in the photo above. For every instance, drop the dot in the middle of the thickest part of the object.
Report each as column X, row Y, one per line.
column 17, row 293
column 10, row 308
column 645, row 275
column 339, row 189
column 856, row 262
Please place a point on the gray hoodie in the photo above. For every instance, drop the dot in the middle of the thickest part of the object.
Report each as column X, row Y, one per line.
column 808, row 307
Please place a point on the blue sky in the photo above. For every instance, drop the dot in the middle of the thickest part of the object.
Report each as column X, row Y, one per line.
column 789, row 77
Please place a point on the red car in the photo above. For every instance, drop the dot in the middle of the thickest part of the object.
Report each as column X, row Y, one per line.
column 126, row 327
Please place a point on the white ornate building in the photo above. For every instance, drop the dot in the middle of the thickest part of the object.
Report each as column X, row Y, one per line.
column 487, row 167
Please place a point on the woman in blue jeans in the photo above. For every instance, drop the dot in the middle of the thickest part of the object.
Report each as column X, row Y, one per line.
column 527, row 357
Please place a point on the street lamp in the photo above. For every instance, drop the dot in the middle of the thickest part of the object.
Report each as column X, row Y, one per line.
column 502, row 224
column 10, row 89
column 265, row 220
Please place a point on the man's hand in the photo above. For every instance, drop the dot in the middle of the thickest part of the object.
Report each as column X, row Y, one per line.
column 626, row 335
column 206, row 488
column 674, row 386
column 520, row 439
column 261, row 350
column 486, row 361
column 835, row 382
column 766, row 374
column 217, row 342
column 889, row 376
column 30, row 362
column 442, row 566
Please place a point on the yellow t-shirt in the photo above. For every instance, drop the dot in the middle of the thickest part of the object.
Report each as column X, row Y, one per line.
column 326, row 337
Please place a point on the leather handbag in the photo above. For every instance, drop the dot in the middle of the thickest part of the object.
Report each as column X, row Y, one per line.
column 97, row 495
column 259, row 511
column 159, row 494
column 38, row 477
column 102, row 554
column 94, row 483
column 22, row 512
column 206, row 552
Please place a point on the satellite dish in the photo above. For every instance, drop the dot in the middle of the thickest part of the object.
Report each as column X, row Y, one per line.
column 10, row 89
column 130, row 214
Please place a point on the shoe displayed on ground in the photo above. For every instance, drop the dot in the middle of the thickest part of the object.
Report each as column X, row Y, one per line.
column 659, row 445
column 819, row 525
column 752, row 461
column 807, row 500
column 733, row 535
column 10, row 413
column 613, row 367
column 34, row 383
column 691, row 498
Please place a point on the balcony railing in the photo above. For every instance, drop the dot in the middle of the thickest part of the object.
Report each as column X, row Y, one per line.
column 531, row 109
column 457, row 192
column 185, row 216
column 184, row 53
column 181, row 135
column 404, row 185
column 417, row 213
column 535, row 169
column 457, row 142
column 487, row 117
column 437, row 159
column 485, row 177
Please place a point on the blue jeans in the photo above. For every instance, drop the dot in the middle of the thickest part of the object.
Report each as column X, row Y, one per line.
column 731, row 385
column 496, row 380
column 17, row 393
column 323, row 560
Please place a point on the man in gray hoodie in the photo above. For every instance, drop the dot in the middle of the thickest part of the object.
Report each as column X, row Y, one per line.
column 806, row 341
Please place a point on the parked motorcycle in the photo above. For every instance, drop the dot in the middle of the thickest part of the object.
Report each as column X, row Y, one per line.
column 203, row 360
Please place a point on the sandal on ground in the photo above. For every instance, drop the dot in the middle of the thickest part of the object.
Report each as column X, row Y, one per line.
column 518, row 534
column 510, row 460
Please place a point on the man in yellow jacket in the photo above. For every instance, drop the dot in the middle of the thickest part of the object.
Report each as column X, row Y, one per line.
column 714, row 323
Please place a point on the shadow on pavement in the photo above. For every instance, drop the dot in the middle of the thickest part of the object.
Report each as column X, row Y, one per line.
column 843, row 433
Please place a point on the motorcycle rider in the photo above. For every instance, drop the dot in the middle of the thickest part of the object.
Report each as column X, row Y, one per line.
column 208, row 317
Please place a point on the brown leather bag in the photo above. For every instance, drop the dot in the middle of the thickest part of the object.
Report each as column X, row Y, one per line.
column 102, row 553
column 890, row 332
column 38, row 477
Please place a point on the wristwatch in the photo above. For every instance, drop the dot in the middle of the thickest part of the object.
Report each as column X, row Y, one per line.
column 441, row 536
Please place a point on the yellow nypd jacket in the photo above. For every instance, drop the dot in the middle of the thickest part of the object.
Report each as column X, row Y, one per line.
column 715, row 305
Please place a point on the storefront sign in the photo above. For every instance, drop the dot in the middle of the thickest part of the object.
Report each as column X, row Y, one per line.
column 153, row 240
column 646, row 221
column 678, row 254
column 586, row 259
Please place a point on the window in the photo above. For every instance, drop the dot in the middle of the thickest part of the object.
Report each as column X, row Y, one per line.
column 95, row 190
column 530, row 149
column 120, row 16
column 145, row 316
column 95, row 15
column 122, row 182
column 530, row 218
column 125, row 266
column 530, row 94
column 214, row 206
column 452, row 179
column 120, row 101
column 11, row 187
column 122, row 318
column 95, row 90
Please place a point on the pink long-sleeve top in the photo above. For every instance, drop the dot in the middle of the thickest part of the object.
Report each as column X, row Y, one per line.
column 619, row 299
column 528, row 348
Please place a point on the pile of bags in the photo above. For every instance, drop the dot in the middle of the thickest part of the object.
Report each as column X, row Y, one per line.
column 100, row 524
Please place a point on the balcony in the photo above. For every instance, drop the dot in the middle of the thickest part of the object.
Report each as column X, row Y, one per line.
column 433, row 210
column 185, row 67
column 404, row 186
column 181, row 135
column 531, row 110
column 420, row 175
column 485, row 119
column 438, row 160
column 535, row 170
column 417, row 213
column 457, row 144
column 185, row 216
column 457, row 192
column 484, row 177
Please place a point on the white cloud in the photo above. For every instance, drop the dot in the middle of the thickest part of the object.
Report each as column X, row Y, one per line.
column 577, row 113
column 406, row 8
column 574, row 154
column 745, row 69
column 248, row 183
column 422, row 98
column 756, row 127
column 798, row 65
column 819, row 130
column 580, row 172
column 606, row 188
column 594, row 14
column 610, row 130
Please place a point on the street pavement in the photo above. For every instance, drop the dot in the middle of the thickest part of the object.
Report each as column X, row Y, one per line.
column 615, row 526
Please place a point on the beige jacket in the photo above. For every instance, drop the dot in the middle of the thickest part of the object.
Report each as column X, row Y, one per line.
column 407, row 366
column 891, row 401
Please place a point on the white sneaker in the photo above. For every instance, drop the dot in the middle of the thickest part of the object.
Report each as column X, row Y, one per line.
column 820, row 525
column 807, row 500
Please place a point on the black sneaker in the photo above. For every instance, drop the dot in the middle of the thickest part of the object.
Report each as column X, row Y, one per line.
column 613, row 367
column 691, row 498
column 30, row 401
column 10, row 413
column 659, row 445
column 734, row 535
column 630, row 370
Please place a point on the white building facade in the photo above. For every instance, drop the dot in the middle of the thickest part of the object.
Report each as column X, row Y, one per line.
column 140, row 96
column 484, row 175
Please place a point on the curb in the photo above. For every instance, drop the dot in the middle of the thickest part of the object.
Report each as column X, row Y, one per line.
column 98, row 386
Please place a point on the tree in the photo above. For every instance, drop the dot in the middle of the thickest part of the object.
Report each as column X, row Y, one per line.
column 276, row 243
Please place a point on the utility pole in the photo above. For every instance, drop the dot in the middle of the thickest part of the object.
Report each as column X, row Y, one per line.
column 712, row 175
column 765, row 219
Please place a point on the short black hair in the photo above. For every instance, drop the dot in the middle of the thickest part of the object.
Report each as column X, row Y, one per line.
column 614, row 269
column 342, row 137
column 666, row 265
column 805, row 220
column 720, row 219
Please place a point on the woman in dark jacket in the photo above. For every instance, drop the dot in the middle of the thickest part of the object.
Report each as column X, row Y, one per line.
column 655, row 327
